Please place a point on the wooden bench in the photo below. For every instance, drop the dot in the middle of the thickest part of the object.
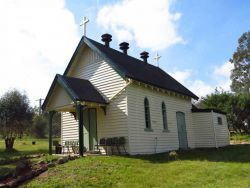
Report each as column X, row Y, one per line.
column 114, row 142
column 71, row 145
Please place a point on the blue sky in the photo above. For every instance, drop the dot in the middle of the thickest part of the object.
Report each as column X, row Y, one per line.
column 210, row 30
column 194, row 38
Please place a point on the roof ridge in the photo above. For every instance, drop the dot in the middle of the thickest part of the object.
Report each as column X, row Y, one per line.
column 130, row 67
column 121, row 53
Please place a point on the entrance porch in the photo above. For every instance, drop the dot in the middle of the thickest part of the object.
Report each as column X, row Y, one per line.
column 81, row 99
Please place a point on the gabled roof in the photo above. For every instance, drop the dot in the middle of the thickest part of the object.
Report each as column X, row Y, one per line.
column 77, row 89
column 130, row 67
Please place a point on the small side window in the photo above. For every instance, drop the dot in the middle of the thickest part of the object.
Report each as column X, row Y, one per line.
column 147, row 113
column 219, row 119
column 164, row 116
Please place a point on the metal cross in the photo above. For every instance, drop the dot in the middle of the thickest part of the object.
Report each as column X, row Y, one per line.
column 84, row 24
column 157, row 58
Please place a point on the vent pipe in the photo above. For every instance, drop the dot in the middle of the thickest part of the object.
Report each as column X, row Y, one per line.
column 106, row 38
column 124, row 46
column 144, row 56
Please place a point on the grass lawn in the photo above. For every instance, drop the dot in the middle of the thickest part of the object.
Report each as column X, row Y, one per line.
column 24, row 147
column 238, row 138
column 227, row 167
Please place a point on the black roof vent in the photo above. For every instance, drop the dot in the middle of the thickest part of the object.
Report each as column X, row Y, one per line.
column 124, row 46
column 144, row 56
column 106, row 38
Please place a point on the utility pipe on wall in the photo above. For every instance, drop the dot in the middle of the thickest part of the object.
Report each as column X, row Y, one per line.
column 215, row 140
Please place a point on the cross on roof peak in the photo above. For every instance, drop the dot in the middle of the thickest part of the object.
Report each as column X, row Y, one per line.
column 157, row 58
column 85, row 20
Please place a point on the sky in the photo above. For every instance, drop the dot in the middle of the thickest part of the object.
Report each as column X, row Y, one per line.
column 195, row 39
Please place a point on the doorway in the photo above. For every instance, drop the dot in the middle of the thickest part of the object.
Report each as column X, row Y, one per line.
column 90, row 128
column 182, row 132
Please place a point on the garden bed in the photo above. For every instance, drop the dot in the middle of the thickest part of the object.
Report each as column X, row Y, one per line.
column 28, row 167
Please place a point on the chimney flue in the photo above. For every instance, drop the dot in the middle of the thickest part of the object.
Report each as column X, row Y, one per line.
column 124, row 46
column 144, row 56
column 106, row 38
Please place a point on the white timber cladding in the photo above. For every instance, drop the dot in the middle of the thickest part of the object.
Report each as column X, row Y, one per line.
column 144, row 142
column 203, row 130
column 59, row 98
column 208, row 133
column 108, row 82
column 221, row 131
column 69, row 127
column 114, row 123
column 92, row 67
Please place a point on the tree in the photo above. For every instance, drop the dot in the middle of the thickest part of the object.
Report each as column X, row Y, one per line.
column 236, row 106
column 56, row 125
column 15, row 116
column 241, row 111
column 39, row 126
column 240, row 74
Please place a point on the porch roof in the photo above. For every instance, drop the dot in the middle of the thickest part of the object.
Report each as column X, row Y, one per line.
column 77, row 89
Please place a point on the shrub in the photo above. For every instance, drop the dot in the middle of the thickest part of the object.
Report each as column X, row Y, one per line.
column 173, row 155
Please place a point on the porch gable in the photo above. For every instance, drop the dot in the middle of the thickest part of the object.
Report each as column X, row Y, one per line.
column 65, row 91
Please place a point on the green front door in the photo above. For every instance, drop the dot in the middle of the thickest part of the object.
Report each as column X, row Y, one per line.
column 90, row 128
column 182, row 132
column 86, row 128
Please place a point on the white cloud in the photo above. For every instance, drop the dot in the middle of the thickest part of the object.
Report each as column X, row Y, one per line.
column 181, row 76
column 219, row 78
column 200, row 88
column 149, row 23
column 37, row 40
column 224, row 70
column 222, row 75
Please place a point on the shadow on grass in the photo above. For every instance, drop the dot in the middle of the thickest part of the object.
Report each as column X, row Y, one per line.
column 6, row 155
column 233, row 153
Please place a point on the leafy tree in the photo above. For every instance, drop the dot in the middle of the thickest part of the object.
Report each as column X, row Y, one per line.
column 56, row 125
column 236, row 106
column 217, row 100
column 15, row 116
column 240, row 75
column 241, row 110
column 39, row 126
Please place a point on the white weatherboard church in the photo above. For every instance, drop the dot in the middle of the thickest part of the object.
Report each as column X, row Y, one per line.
column 106, row 93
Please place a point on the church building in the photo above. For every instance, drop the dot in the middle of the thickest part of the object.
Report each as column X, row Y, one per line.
column 105, row 93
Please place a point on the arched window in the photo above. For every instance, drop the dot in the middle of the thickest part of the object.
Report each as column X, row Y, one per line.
column 164, row 116
column 147, row 113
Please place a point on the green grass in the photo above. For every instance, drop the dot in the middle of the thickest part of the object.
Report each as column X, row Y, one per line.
column 7, row 171
column 24, row 147
column 227, row 167
column 240, row 138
